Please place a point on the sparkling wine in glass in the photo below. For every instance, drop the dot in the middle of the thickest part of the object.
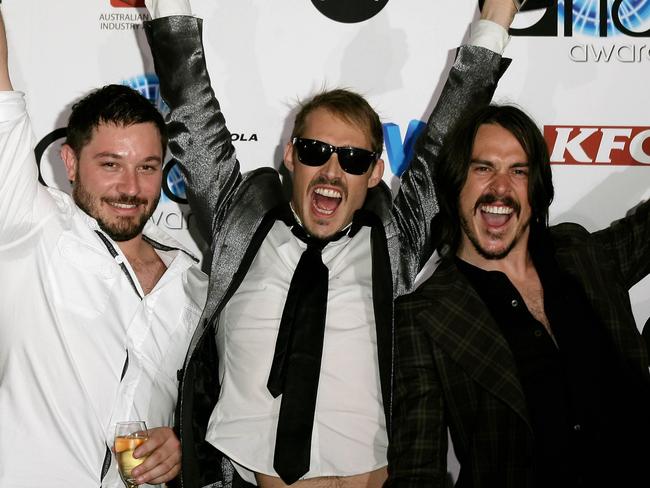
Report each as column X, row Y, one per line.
column 128, row 436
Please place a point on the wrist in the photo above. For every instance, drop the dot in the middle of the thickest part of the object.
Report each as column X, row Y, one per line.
column 500, row 12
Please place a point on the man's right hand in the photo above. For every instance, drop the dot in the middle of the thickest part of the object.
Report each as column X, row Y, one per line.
column 501, row 12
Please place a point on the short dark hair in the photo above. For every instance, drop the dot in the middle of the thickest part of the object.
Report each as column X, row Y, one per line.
column 112, row 104
column 451, row 173
column 349, row 106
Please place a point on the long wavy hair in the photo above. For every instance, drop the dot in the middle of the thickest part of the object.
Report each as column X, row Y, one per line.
column 451, row 173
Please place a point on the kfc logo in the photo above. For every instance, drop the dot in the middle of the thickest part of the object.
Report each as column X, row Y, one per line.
column 625, row 146
column 128, row 3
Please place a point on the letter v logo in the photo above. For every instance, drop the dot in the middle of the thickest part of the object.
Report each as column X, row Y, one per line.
column 400, row 153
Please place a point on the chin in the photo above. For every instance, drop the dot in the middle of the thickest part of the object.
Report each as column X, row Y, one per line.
column 324, row 230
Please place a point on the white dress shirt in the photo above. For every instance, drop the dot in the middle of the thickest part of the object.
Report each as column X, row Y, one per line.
column 68, row 316
column 349, row 434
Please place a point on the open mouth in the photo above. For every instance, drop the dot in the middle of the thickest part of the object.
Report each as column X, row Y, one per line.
column 496, row 215
column 325, row 201
column 125, row 207
column 122, row 205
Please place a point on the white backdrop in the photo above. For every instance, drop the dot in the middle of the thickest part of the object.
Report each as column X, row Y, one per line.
column 589, row 91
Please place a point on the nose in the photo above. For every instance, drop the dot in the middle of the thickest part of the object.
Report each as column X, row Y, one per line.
column 332, row 168
column 128, row 183
column 500, row 183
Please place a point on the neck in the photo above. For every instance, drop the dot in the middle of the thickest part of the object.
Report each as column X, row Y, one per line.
column 136, row 248
column 517, row 264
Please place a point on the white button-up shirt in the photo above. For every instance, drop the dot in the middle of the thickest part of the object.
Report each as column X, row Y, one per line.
column 69, row 316
column 349, row 433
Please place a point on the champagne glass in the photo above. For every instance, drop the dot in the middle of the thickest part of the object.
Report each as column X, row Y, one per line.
column 128, row 436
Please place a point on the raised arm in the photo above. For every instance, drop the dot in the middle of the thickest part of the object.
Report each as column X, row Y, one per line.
column 471, row 83
column 628, row 243
column 199, row 138
column 5, row 81
column 19, row 187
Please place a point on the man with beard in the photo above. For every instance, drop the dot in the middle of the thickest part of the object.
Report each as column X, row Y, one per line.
column 98, row 304
column 523, row 341
column 297, row 386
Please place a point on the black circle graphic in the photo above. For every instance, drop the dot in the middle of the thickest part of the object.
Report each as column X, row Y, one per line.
column 44, row 143
column 349, row 11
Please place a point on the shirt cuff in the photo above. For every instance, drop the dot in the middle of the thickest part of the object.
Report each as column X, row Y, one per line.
column 167, row 8
column 489, row 35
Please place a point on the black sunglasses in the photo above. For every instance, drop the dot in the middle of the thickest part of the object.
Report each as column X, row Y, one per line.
column 353, row 160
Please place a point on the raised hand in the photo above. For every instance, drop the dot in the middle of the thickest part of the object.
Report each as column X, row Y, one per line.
column 500, row 11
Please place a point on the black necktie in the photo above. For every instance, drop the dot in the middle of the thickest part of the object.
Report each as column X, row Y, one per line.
column 296, row 363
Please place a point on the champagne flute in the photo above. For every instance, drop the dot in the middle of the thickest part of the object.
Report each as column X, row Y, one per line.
column 128, row 436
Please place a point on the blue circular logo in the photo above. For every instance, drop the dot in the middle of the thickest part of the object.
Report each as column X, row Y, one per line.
column 174, row 184
column 149, row 87
column 633, row 15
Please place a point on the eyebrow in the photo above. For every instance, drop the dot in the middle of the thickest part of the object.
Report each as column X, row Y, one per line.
column 521, row 164
column 108, row 154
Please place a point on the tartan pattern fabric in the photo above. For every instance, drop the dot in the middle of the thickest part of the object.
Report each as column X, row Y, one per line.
column 455, row 370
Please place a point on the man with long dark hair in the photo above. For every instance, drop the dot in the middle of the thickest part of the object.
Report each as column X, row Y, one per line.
column 522, row 342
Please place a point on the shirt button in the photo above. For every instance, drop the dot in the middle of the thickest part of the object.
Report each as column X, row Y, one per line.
column 538, row 333
column 514, row 303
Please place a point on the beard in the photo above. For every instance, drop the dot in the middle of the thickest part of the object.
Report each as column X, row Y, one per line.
column 485, row 253
column 488, row 199
column 121, row 228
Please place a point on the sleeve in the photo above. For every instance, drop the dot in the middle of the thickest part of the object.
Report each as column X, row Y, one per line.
column 417, row 453
column 489, row 35
column 627, row 241
column 199, row 138
column 167, row 8
column 19, row 183
column 471, row 83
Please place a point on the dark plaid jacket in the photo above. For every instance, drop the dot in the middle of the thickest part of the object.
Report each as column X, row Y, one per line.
column 455, row 369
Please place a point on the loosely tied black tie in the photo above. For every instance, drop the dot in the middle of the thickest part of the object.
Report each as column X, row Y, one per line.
column 296, row 363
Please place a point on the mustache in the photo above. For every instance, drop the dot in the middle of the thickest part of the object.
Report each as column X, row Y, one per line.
column 333, row 182
column 126, row 200
column 490, row 198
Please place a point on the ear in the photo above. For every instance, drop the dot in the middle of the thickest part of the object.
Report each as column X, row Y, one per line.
column 376, row 173
column 70, row 161
column 288, row 157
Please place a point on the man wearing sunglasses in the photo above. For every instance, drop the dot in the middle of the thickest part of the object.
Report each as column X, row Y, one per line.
column 297, row 386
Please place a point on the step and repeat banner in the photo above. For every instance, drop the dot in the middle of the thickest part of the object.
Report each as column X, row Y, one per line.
column 581, row 69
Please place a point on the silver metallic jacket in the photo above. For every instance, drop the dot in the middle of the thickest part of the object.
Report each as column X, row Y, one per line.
column 234, row 212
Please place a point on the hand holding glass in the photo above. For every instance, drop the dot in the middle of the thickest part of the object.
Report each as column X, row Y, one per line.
column 128, row 436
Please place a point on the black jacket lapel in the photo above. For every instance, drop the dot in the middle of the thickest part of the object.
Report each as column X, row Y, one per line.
column 463, row 327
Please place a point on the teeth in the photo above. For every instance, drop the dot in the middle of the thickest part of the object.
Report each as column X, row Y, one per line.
column 328, row 192
column 496, row 210
column 123, row 205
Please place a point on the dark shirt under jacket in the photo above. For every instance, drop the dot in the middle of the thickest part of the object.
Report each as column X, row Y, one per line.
column 589, row 413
